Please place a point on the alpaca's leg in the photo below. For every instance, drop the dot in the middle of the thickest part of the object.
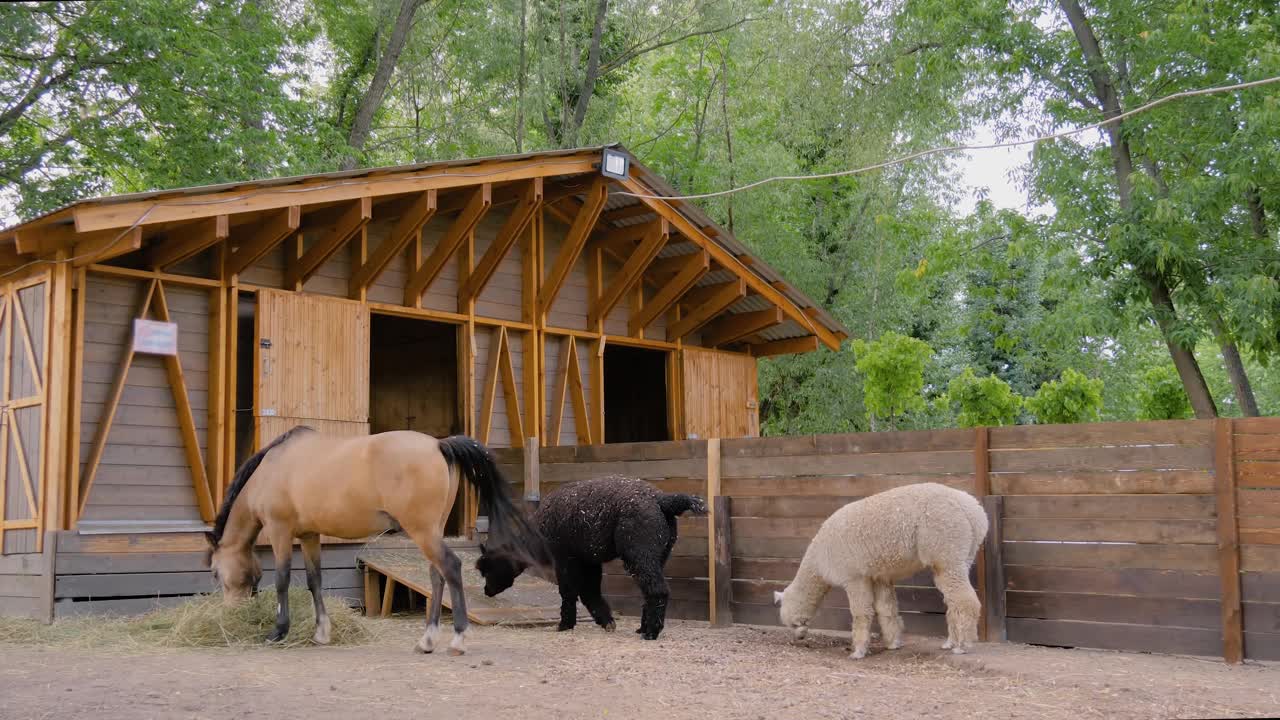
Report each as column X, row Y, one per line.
column 643, row 541
column 886, row 603
column 311, row 555
column 592, row 575
column 569, row 578
column 654, row 588
column 962, row 607
column 861, row 607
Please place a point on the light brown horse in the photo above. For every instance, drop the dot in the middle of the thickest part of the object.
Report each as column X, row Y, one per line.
column 305, row 484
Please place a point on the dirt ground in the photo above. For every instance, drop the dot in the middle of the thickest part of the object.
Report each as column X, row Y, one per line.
column 693, row 671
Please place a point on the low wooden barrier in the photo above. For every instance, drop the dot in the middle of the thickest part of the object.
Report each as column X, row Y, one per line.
column 1156, row 536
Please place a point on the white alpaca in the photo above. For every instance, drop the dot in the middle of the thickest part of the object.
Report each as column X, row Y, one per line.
column 867, row 545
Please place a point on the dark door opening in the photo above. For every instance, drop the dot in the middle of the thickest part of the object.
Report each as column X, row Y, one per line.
column 635, row 395
column 246, row 307
column 413, row 382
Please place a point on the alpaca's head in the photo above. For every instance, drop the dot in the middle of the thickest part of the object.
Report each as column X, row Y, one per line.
column 499, row 570
column 794, row 612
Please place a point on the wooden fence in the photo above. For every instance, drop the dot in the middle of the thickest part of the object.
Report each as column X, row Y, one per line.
column 1158, row 536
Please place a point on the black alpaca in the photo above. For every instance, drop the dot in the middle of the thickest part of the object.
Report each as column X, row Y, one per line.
column 589, row 523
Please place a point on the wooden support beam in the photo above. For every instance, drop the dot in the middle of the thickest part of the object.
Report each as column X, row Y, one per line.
column 654, row 237
column 575, row 240
column 346, row 227
column 569, row 383
column 694, row 267
column 704, row 313
column 790, row 346
column 105, row 247
column 667, row 266
column 698, row 295
column 422, row 276
column 404, row 232
column 622, row 241
column 265, row 238
column 992, row 549
column 490, row 386
column 532, row 474
column 47, row 239
column 719, row 572
column 732, row 328
column 189, row 241
column 527, row 206
column 981, row 489
column 58, row 382
column 1224, row 471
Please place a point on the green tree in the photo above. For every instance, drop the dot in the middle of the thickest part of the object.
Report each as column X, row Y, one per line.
column 893, row 373
column 982, row 401
column 1074, row 398
column 1162, row 396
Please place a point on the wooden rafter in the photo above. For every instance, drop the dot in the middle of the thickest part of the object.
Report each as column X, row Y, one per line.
column 569, row 382
column 154, row 302
column 105, row 246
column 346, row 227
column 694, row 266
column 654, row 237
column 527, row 206
column 702, row 293
column 732, row 328
column 706, row 311
column 405, row 231
column 265, row 238
column 45, row 239
column 423, row 275
column 789, row 346
column 199, row 237
column 574, row 241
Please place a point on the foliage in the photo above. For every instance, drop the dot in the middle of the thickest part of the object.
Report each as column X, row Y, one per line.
column 1162, row 396
column 982, row 401
column 893, row 372
column 1074, row 398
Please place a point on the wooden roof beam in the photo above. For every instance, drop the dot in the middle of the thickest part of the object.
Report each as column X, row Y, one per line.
column 353, row 219
column 732, row 328
column 789, row 346
column 422, row 276
column 725, row 258
column 696, row 265
column 654, row 237
column 705, row 312
column 517, row 222
column 574, row 241
column 405, row 231
column 197, row 238
column 265, row 238
column 104, row 247
column 698, row 295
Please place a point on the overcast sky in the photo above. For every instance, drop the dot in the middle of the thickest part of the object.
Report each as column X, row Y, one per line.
column 993, row 170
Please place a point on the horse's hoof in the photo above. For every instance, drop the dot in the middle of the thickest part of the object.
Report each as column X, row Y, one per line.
column 425, row 650
column 275, row 639
column 947, row 645
column 318, row 640
column 610, row 627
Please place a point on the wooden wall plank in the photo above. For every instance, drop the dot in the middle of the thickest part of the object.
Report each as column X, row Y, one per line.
column 1115, row 636
column 1103, row 482
column 1173, row 457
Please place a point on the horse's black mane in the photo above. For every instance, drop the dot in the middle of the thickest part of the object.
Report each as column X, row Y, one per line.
column 242, row 477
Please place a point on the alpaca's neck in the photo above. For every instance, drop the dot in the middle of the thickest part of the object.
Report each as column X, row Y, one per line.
column 808, row 588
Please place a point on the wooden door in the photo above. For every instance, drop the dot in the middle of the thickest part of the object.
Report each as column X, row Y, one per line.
column 311, row 359
column 720, row 394
column 23, row 367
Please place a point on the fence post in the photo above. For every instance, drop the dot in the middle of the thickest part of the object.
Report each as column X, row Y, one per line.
column 1224, row 476
column 532, row 474
column 719, row 573
column 992, row 577
column 982, row 489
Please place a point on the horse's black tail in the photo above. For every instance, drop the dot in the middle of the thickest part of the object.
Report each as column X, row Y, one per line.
column 676, row 504
column 509, row 527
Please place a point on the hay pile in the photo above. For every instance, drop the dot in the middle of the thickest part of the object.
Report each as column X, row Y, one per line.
column 201, row 622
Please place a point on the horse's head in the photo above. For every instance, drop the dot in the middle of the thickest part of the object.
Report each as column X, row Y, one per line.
column 499, row 570
column 237, row 571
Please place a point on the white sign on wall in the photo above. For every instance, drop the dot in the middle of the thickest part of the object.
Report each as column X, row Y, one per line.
column 155, row 338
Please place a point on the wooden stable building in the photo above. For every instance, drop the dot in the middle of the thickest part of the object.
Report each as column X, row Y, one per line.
column 152, row 341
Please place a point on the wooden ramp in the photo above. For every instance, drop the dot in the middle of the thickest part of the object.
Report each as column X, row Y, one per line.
column 530, row 601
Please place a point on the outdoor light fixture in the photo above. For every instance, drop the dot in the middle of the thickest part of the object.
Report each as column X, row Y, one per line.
column 615, row 164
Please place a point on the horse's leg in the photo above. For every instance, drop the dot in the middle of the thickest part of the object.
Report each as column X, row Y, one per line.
column 311, row 555
column 453, row 575
column 886, row 604
column 861, row 607
column 281, row 539
column 428, row 642
column 592, row 574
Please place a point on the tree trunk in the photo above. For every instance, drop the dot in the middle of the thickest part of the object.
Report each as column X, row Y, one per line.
column 1158, row 286
column 372, row 98
column 569, row 135
column 520, row 78
column 728, row 129
column 1240, row 385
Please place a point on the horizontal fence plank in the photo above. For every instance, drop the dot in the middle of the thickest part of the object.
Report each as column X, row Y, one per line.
column 910, row 599
column 768, row 547
column 1110, row 506
column 1260, row 586
column 676, row 567
column 179, row 583
column 856, row 443
column 629, row 606
column 72, row 542
column 1257, row 447
column 907, row 463
column 933, row 624
column 331, row 557
column 1262, row 616
column 644, row 469
column 1201, row 532
column 1202, row 558
column 1261, row 646
column 138, row 606
column 680, row 588
column 853, row 487
column 783, row 570
column 1115, row 636
column 1164, row 612
column 788, row 506
column 1258, row 502
column 1141, row 482
column 1256, row 425
column 1258, row 474
column 23, row 607
column 27, row 586
column 22, row 564
column 803, row 528
column 1172, row 457
column 1109, row 434
column 1259, row 558
column 1259, row 530
column 1128, row 581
